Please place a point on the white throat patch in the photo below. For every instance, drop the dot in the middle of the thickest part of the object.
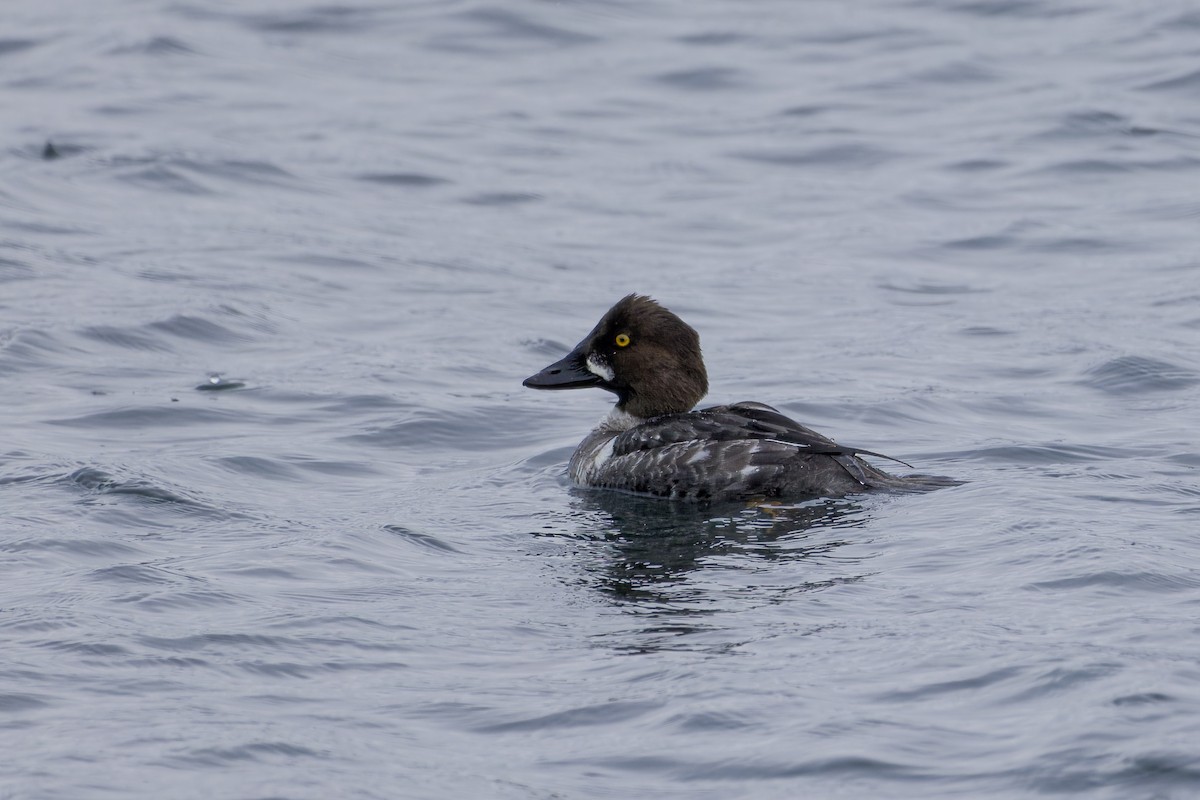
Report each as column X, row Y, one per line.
column 598, row 368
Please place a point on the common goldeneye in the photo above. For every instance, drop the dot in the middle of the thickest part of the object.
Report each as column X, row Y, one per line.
column 654, row 443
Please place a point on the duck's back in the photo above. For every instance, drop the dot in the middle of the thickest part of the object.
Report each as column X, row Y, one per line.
column 723, row 453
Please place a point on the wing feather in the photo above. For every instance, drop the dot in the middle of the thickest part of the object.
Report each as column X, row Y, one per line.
column 737, row 422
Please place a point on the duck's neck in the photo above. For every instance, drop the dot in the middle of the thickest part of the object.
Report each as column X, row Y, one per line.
column 620, row 420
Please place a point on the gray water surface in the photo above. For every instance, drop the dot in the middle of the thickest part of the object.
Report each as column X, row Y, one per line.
column 279, row 520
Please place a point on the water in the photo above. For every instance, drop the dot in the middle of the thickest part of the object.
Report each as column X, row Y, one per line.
column 280, row 521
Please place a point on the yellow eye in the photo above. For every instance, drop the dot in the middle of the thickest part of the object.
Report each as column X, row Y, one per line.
column 622, row 340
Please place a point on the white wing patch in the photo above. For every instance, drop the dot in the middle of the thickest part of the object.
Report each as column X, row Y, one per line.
column 601, row 458
column 590, row 459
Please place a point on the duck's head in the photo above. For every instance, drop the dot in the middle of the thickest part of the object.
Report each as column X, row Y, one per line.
column 648, row 357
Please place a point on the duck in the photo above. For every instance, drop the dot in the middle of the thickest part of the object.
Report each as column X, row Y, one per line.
column 655, row 441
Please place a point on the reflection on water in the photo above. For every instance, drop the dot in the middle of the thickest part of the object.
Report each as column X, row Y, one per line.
column 657, row 548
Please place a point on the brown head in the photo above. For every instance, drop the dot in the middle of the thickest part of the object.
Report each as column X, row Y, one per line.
column 641, row 352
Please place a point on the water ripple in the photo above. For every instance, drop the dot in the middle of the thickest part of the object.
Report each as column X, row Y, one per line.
column 501, row 198
column 704, row 79
column 413, row 180
column 254, row 752
column 20, row 702
column 1188, row 82
column 505, row 25
column 155, row 46
column 1139, row 374
column 129, row 338
column 141, row 417
column 423, row 539
column 1121, row 581
column 858, row 156
column 583, row 716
